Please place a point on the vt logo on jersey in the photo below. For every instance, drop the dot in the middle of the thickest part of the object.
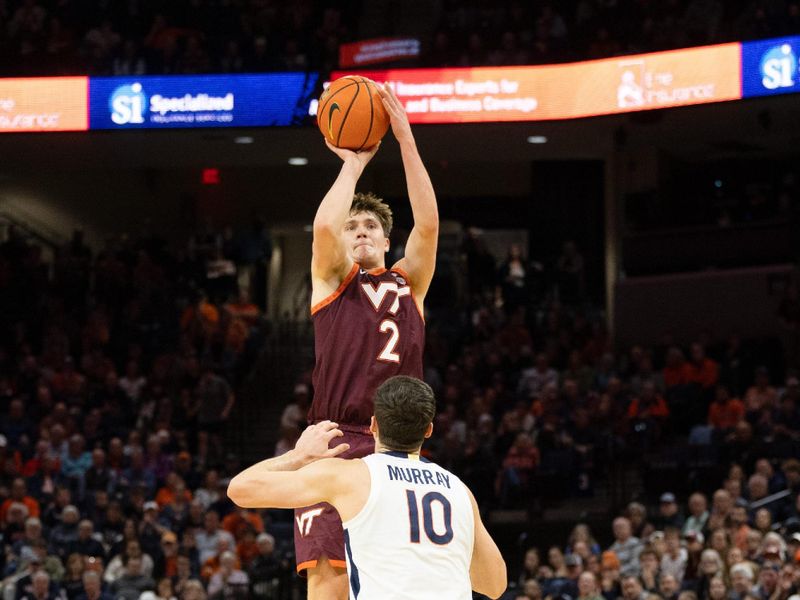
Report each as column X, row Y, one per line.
column 376, row 295
column 305, row 520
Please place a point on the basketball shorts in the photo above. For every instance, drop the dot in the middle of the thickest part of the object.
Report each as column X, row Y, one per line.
column 318, row 529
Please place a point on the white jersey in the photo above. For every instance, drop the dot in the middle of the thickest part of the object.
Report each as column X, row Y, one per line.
column 413, row 538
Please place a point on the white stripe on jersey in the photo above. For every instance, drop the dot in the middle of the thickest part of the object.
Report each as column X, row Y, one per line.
column 413, row 538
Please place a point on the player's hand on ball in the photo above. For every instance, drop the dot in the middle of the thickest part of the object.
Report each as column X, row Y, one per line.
column 397, row 114
column 315, row 441
column 361, row 158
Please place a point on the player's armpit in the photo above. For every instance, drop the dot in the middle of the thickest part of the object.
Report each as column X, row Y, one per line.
column 320, row 481
column 487, row 571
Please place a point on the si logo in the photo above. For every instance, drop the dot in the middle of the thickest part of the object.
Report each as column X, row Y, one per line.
column 778, row 67
column 128, row 104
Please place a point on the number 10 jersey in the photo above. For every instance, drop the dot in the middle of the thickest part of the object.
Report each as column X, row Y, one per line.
column 413, row 538
column 368, row 330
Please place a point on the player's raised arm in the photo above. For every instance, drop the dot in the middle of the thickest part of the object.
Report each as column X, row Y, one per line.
column 487, row 570
column 330, row 260
column 420, row 258
column 301, row 477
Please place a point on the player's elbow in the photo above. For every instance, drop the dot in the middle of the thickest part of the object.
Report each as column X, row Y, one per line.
column 242, row 492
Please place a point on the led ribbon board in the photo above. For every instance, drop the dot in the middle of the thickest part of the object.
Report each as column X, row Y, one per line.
column 569, row 91
column 258, row 100
column 771, row 67
column 43, row 104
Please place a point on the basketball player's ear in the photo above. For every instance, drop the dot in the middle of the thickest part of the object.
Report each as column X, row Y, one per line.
column 373, row 425
column 386, row 244
column 429, row 431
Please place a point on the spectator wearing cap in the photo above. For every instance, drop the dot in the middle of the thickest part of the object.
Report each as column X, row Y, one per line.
column 669, row 515
column 86, row 544
column 93, row 587
column 698, row 513
column 673, row 561
column 626, row 547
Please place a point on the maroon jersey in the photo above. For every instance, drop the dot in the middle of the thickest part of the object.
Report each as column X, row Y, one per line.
column 368, row 330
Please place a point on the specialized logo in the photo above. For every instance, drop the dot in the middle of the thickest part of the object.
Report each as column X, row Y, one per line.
column 128, row 104
column 376, row 295
column 778, row 67
column 334, row 106
column 305, row 520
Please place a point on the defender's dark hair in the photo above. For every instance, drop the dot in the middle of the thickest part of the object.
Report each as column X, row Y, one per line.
column 369, row 202
column 404, row 407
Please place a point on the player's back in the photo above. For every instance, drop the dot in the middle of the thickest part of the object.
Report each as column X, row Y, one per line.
column 414, row 537
column 367, row 331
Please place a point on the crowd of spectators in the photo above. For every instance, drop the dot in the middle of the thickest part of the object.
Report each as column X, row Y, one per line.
column 118, row 373
column 100, row 37
column 735, row 544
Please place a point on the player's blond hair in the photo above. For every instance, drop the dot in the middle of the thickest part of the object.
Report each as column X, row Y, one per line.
column 369, row 202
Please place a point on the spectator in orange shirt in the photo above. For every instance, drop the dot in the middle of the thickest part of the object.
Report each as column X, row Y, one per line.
column 173, row 485
column 701, row 369
column 19, row 493
column 649, row 405
column 238, row 521
column 676, row 371
column 724, row 412
column 760, row 397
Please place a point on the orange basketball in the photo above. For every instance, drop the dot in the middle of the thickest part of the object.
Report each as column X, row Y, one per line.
column 351, row 114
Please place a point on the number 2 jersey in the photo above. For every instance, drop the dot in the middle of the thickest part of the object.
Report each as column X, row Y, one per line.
column 368, row 330
column 413, row 538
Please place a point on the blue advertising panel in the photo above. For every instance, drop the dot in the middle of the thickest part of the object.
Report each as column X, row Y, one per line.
column 770, row 67
column 149, row 102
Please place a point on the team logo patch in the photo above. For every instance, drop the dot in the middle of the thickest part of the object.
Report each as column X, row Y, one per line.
column 400, row 279
column 305, row 520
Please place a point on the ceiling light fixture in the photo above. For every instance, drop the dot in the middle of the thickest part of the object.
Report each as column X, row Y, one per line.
column 298, row 161
column 537, row 139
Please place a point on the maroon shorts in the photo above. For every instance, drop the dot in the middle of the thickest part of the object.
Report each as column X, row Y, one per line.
column 318, row 529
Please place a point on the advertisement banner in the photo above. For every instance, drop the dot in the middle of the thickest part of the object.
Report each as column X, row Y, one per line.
column 600, row 87
column 771, row 67
column 263, row 100
column 44, row 104
column 368, row 52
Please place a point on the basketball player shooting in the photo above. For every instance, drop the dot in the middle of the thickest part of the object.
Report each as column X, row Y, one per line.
column 413, row 530
column 368, row 323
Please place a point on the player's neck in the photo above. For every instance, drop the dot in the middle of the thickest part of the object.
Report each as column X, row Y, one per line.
column 372, row 266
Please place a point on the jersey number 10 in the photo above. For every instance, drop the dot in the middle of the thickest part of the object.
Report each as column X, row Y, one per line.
column 428, row 499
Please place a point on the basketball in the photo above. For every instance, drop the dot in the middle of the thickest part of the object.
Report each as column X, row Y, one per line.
column 351, row 114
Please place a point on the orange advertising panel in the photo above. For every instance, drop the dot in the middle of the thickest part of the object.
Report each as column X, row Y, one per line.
column 44, row 104
column 600, row 87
